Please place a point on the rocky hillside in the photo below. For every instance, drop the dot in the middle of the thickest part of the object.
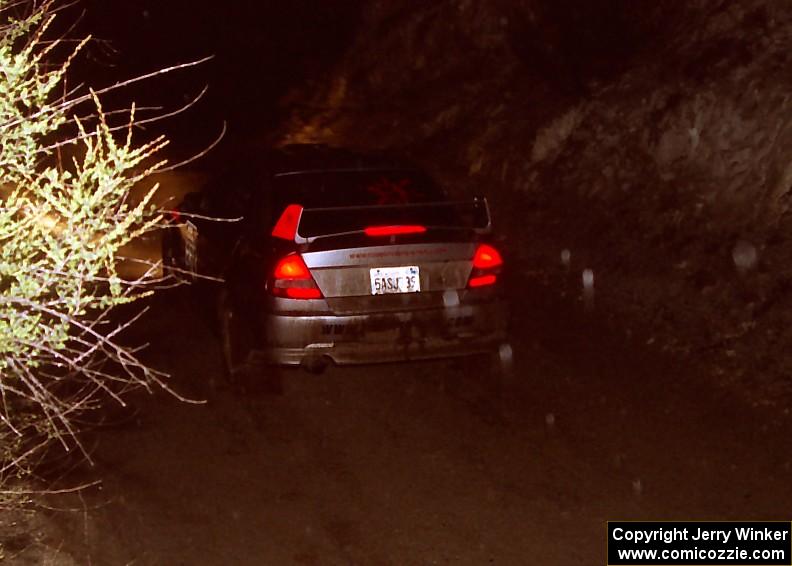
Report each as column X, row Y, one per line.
column 653, row 143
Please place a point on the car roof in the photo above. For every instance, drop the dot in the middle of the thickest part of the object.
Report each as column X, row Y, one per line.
column 312, row 158
column 250, row 167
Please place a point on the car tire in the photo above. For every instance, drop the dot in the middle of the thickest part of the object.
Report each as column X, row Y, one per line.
column 491, row 372
column 477, row 381
column 498, row 366
column 241, row 372
column 169, row 258
column 236, row 362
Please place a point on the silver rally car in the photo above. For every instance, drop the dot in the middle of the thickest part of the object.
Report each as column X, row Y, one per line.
column 328, row 256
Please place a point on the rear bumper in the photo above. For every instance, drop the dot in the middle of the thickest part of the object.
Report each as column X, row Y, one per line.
column 392, row 337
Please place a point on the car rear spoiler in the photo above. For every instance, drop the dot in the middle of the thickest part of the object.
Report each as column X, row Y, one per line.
column 316, row 223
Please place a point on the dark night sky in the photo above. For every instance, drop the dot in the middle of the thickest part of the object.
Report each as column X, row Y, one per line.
column 261, row 49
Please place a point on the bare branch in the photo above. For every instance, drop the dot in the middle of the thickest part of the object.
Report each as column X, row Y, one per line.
column 198, row 155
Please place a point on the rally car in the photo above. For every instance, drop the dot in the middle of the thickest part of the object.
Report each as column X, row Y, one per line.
column 328, row 256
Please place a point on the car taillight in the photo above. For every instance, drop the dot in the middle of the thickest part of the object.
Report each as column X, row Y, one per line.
column 482, row 281
column 286, row 226
column 292, row 279
column 487, row 263
column 394, row 230
column 486, row 257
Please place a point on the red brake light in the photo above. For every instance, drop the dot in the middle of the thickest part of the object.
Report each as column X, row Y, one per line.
column 286, row 226
column 292, row 267
column 303, row 293
column 487, row 257
column 482, row 281
column 487, row 262
column 292, row 279
column 394, row 230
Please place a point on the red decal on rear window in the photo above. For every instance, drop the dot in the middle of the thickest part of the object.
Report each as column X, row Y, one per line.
column 389, row 191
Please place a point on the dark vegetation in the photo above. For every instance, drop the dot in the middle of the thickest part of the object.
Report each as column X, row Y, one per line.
column 260, row 50
column 652, row 141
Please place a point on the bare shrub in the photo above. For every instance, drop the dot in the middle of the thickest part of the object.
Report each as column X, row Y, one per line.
column 62, row 224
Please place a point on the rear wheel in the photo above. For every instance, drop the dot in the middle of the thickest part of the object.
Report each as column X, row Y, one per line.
column 476, row 382
column 241, row 372
column 498, row 368
column 172, row 251
column 168, row 259
column 235, row 358
column 483, row 375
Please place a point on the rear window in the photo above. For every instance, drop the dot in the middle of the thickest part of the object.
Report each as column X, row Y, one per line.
column 446, row 215
column 329, row 189
column 344, row 202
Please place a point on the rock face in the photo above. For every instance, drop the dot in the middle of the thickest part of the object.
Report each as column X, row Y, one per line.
column 654, row 143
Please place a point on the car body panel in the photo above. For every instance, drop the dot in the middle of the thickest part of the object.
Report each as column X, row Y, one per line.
column 385, row 337
column 346, row 273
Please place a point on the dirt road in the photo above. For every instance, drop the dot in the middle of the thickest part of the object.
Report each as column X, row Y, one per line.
column 385, row 465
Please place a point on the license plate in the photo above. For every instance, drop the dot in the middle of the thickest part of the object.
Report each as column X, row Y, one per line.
column 385, row 280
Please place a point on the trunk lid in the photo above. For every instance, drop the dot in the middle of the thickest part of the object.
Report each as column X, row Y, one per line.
column 345, row 275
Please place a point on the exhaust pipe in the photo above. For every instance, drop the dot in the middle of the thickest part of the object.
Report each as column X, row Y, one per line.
column 314, row 364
